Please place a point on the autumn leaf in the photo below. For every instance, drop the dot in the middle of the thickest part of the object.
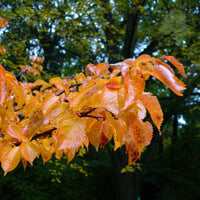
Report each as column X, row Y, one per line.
column 152, row 105
column 35, row 120
column 10, row 160
column 49, row 102
column 15, row 131
column 176, row 63
column 168, row 78
column 29, row 151
column 71, row 131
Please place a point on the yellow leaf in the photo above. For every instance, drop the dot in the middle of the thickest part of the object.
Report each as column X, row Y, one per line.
column 10, row 160
column 41, row 82
column 79, row 99
column 49, row 102
column 71, row 131
column 35, row 120
column 29, row 151
column 94, row 133
column 15, row 131
column 57, row 113
column 19, row 95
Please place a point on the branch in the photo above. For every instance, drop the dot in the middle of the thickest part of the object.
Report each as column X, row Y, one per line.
column 43, row 135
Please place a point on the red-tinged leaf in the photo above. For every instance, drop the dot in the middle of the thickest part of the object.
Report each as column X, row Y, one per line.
column 107, row 133
column 71, row 131
column 134, row 87
column 49, row 102
column 29, row 151
column 142, row 133
column 35, row 120
column 133, row 153
column 15, row 131
column 131, row 147
column 165, row 76
column 152, row 105
column 148, row 132
column 176, row 63
column 10, row 160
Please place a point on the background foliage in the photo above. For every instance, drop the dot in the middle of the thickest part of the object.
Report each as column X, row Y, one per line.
column 70, row 34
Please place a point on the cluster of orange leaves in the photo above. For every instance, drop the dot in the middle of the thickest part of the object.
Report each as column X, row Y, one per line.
column 62, row 115
column 107, row 102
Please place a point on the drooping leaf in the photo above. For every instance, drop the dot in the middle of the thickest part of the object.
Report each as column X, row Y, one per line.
column 168, row 78
column 152, row 105
column 176, row 63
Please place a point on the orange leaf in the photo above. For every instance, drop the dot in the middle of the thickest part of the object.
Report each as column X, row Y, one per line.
column 35, row 120
column 142, row 133
column 10, row 160
column 41, row 82
column 168, row 78
column 101, row 68
column 15, row 131
column 133, row 153
column 114, row 83
column 19, row 95
column 29, row 151
column 153, row 106
column 70, row 153
column 71, row 131
column 78, row 100
column 94, row 133
column 176, row 63
column 57, row 113
column 110, row 100
column 133, row 89
column 107, row 133
column 49, row 102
